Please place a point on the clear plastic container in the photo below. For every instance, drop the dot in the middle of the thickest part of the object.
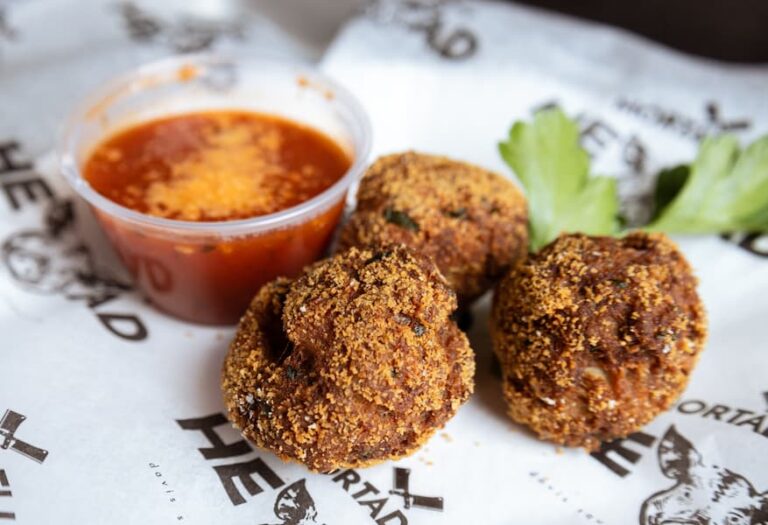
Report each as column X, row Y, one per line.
column 207, row 272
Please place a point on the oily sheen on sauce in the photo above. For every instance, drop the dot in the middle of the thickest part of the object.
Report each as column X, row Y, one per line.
column 216, row 167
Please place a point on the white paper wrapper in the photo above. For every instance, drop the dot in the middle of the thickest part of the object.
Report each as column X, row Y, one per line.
column 122, row 405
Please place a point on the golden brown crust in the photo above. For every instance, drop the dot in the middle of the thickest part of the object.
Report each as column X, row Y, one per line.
column 596, row 336
column 470, row 221
column 355, row 362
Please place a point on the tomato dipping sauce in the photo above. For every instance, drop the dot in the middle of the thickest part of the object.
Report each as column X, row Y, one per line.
column 216, row 166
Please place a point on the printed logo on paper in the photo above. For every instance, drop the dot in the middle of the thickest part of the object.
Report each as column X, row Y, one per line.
column 10, row 441
column 9, row 425
column 184, row 35
column 52, row 259
column 427, row 17
column 293, row 503
column 703, row 493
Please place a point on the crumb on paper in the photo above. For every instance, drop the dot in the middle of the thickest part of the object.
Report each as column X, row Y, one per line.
column 187, row 72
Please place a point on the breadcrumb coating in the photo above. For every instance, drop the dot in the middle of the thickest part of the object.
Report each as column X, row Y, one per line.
column 470, row 221
column 596, row 336
column 355, row 362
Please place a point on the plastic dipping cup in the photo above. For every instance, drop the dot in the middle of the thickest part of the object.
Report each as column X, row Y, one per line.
column 208, row 272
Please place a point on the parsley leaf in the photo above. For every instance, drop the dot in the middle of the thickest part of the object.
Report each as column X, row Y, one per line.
column 554, row 170
column 669, row 182
column 726, row 190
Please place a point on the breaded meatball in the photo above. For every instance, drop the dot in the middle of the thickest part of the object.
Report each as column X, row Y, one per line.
column 355, row 362
column 470, row 221
column 596, row 336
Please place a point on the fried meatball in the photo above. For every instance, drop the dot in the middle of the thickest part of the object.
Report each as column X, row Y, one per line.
column 470, row 221
column 596, row 336
column 356, row 361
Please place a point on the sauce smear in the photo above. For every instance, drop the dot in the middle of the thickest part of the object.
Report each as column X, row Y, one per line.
column 215, row 166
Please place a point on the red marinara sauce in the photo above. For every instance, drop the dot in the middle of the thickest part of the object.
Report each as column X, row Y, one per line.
column 214, row 167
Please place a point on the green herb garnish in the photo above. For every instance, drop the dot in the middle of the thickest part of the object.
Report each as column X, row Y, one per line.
column 669, row 182
column 554, row 170
column 618, row 283
column 400, row 218
column 725, row 190
column 378, row 256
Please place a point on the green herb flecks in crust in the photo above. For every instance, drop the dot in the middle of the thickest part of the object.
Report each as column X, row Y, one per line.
column 725, row 190
column 400, row 218
column 460, row 213
column 554, row 170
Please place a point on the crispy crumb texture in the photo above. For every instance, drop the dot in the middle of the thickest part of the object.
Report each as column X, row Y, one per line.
column 470, row 221
column 355, row 362
column 596, row 336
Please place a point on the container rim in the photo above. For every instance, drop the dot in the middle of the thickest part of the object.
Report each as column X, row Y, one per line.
column 70, row 169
